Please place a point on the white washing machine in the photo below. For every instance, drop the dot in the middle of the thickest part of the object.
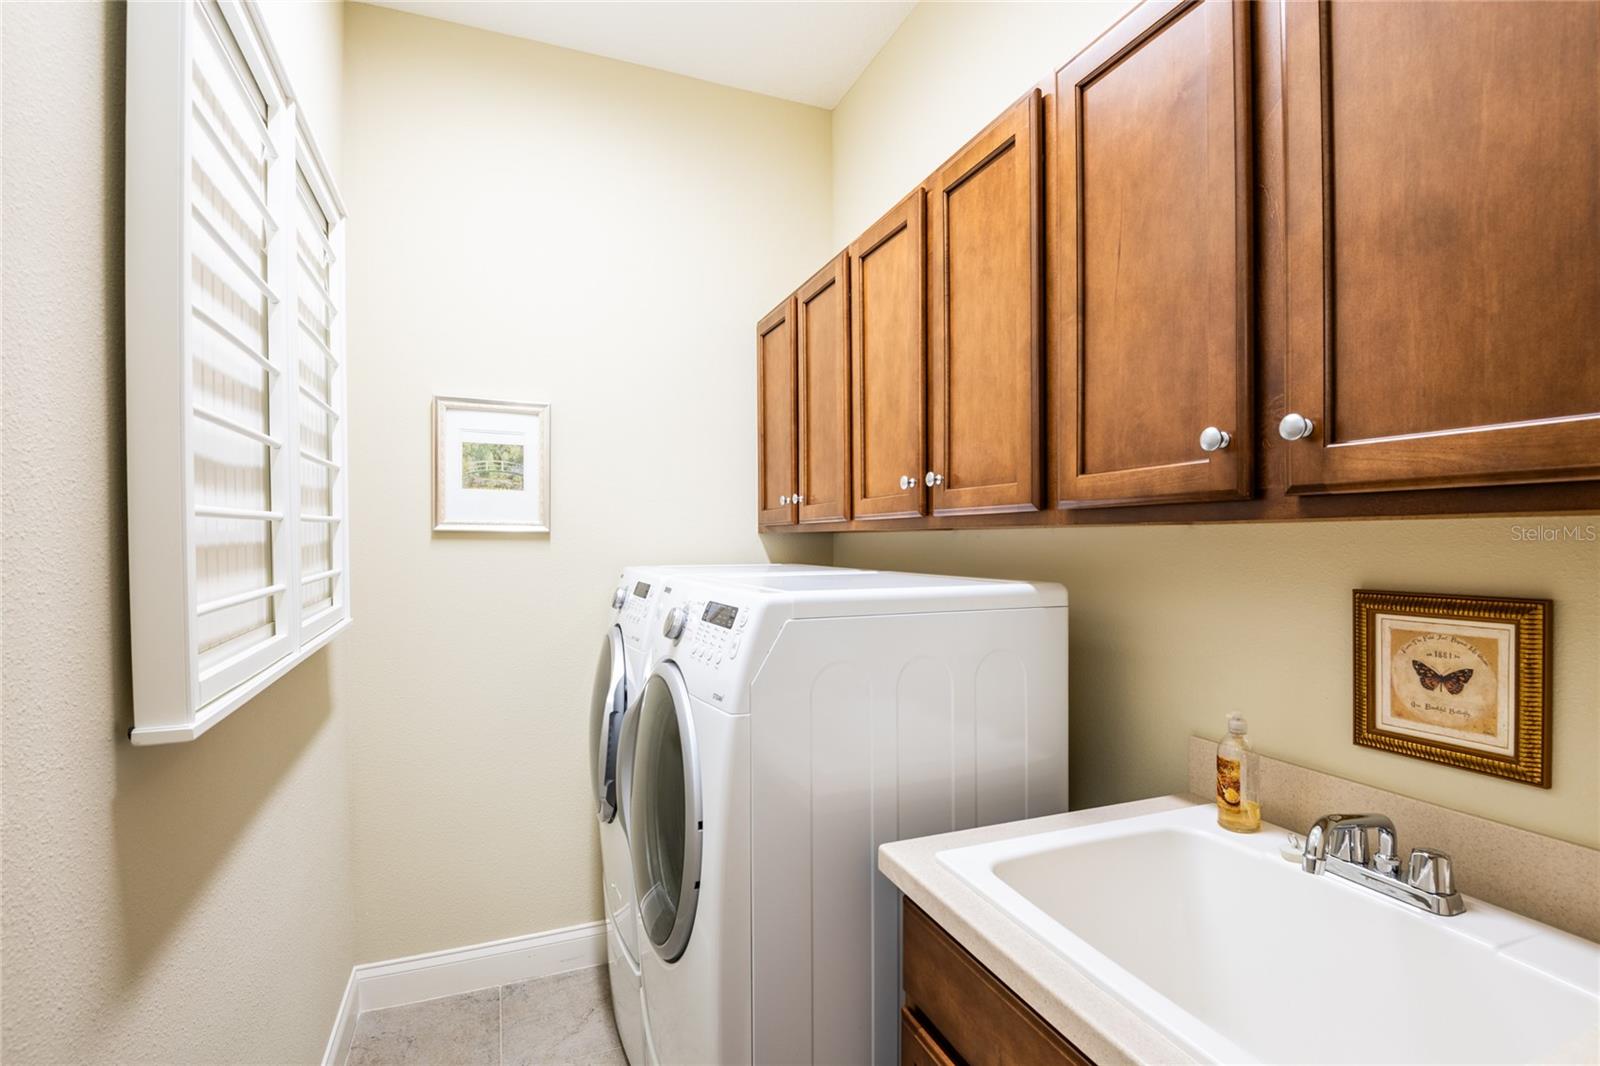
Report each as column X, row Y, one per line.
column 623, row 664
column 789, row 725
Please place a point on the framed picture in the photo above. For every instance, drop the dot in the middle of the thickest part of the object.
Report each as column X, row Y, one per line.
column 491, row 462
column 1459, row 680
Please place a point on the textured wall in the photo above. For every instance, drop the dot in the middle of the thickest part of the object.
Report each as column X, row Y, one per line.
column 533, row 223
column 948, row 70
column 191, row 903
column 1173, row 627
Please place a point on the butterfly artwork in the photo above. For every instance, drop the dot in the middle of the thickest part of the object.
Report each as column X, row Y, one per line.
column 1431, row 679
column 1454, row 680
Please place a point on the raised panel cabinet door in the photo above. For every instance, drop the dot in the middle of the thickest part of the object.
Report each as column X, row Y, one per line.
column 986, row 319
column 1151, row 370
column 1443, row 241
column 888, row 353
column 776, row 415
column 823, row 311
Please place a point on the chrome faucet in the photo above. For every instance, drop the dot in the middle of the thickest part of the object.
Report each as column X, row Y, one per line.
column 1338, row 843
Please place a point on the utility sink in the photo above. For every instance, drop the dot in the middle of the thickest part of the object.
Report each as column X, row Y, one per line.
column 1239, row 956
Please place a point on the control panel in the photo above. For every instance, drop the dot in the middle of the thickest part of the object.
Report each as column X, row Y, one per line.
column 713, row 631
column 637, row 601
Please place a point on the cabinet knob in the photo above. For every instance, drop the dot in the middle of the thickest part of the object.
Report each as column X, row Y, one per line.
column 907, row 481
column 1295, row 426
column 931, row 479
column 1213, row 439
column 797, row 499
column 783, row 501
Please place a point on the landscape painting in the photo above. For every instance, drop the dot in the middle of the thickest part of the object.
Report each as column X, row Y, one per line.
column 489, row 465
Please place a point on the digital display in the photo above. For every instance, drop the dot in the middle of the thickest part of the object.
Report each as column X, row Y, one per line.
column 641, row 589
column 720, row 614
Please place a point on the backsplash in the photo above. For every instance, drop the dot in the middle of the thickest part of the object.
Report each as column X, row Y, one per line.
column 1492, row 861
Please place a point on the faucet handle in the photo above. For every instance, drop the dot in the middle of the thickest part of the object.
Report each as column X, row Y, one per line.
column 1429, row 871
column 1349, row 843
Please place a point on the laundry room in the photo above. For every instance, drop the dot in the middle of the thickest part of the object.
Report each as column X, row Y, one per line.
column 693, row 532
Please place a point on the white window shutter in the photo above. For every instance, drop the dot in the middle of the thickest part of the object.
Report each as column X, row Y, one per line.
column 223, row 403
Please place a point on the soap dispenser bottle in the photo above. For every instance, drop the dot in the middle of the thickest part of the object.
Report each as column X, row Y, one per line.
column 1238, row 807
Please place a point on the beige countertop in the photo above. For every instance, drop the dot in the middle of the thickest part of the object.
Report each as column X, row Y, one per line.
column 1099, row 1024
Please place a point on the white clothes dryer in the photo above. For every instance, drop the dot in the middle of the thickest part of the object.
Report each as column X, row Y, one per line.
column 787, row 726
column 629, row 640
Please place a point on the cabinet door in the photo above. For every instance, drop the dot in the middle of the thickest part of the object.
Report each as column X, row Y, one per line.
column 1152, row 238
column 887, row 312
column 775, row 415
column 986, row 319
column 823, row 311
column 918, row 1047
column 970, row 1014
column 1443, row 239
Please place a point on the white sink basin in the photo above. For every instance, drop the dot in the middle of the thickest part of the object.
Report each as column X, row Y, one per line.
column 1239, row 956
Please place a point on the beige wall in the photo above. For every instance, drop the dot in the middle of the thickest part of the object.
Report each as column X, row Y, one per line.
column 1173, row 627
column 948, row 70
column 191, row 903
column 533, row 223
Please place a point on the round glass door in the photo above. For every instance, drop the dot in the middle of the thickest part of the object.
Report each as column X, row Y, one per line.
column 664, row 800
column 606, row 708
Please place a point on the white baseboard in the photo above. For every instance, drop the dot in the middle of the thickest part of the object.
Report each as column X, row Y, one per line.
column 375, row 985
column 344, row 1026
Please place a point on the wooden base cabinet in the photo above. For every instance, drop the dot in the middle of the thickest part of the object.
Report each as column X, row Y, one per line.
column 956, row 1011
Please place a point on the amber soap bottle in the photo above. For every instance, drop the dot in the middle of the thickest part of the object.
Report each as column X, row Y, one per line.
column 1238, row 806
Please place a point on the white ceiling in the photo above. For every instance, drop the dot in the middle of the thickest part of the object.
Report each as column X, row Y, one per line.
column 809, row 52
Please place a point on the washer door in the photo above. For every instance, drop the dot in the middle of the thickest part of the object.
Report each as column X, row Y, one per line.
column 665, row 823
column 609, row 703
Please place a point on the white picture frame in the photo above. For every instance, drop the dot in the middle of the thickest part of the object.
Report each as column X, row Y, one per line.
column 491, row 466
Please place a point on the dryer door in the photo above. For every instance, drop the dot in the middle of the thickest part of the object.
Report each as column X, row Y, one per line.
column 665, row 821
column 606, row 709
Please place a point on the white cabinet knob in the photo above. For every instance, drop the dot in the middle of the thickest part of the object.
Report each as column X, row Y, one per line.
column 1295, row 426
column 783, row 501
column 931, row 479
column 907, row 481
column 797, row 500
column 1213, row 439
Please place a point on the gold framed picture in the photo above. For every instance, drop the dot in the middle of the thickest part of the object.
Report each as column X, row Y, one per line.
column 1459, row 680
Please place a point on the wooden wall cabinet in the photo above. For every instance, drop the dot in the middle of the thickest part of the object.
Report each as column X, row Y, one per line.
column 888, row 353
column 1303, row 260
column 957, row 1011
column 777, row 415
column 1443, row 221
column 986, row 320
column 1152, row 362
column 822, row 309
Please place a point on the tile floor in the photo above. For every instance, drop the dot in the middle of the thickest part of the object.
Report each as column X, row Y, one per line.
column 563, row 1020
